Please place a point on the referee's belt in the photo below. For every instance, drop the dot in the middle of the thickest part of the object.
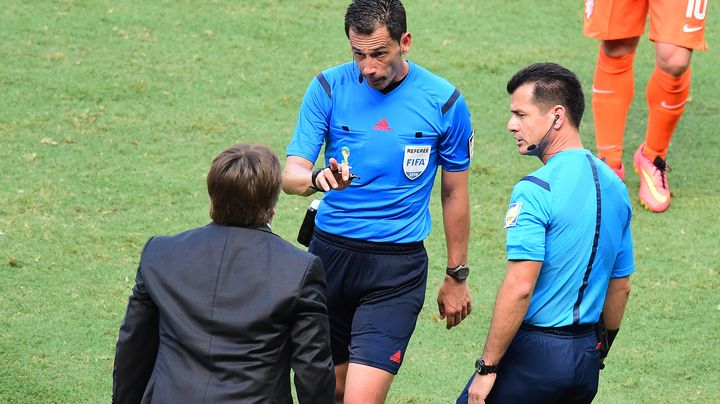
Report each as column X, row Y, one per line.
column 568, row 330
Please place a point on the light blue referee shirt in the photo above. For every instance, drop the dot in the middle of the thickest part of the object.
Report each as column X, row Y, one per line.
column 394, row 142
column 554, row 218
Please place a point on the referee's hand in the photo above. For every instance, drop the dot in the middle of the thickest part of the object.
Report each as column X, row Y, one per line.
column 454, row 301
column 334, row 177
column 480, row 388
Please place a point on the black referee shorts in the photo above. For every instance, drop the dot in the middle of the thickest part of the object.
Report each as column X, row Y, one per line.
column 375, row 293
column 547, row 367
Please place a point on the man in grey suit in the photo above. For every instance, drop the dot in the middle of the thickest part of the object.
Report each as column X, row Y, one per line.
column 221, row 313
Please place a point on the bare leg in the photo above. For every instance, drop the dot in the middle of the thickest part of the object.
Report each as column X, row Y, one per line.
column 340, row 376
column 366, row 384
column 620, row 47
column 672, row 59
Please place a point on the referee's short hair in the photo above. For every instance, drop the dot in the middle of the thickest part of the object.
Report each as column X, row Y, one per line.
column 244, row 185
column 554, row 85
column 365, row 16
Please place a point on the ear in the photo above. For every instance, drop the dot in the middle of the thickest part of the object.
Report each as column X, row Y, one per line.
column 405, row 42
column 559, row 118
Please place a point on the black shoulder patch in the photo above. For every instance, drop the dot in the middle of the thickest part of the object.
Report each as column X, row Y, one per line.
column 451, row 101
column 537, row 181
column 324, row 83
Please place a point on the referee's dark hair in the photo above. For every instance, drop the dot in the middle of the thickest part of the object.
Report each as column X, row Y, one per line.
column 554, row 85
column 365, row 16
column 244, row 185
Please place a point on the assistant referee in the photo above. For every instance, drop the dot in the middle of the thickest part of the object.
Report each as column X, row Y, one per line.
column 569, row 251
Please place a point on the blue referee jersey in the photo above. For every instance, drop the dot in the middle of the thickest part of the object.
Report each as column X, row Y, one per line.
column 394, row 142
column 553, row 217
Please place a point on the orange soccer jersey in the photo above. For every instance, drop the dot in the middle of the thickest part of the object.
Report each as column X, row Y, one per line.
column 678, row 22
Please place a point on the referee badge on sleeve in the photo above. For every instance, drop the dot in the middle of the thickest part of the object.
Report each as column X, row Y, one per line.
column 512, row 214
column 471, row 145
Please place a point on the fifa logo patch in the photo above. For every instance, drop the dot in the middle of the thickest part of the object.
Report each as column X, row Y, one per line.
column 512, row 214
column 415, row 161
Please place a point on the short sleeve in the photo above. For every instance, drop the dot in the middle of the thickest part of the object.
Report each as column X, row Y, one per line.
column 456, row 144
column 313, row 121
column 526, row 221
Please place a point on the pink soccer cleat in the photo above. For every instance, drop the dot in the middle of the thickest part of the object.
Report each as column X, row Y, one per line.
column 654, row 192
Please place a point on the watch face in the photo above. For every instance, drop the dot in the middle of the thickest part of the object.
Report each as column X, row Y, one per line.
column 460, row 272
column 463, row 272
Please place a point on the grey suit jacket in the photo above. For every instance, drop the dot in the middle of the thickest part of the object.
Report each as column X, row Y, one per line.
column 221, row 314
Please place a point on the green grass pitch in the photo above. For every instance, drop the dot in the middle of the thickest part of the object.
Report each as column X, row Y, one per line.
column 111, row 111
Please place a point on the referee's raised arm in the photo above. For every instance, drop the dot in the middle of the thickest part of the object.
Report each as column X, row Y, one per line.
column 297, row 176
column 300, row 179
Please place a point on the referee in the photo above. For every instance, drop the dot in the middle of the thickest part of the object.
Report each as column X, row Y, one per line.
column 396, row 125
column 569, row 251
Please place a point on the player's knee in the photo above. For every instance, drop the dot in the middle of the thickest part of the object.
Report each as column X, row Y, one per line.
column 673, row 66
column 620, row 47
column 671, row 59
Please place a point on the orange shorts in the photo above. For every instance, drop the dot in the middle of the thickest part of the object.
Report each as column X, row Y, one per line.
column 678, row 22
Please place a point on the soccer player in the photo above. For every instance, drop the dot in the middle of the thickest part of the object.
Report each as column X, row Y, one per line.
column 569, row 251
column 393, row 123
column 677, row 28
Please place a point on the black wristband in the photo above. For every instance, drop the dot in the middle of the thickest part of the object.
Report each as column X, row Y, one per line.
column 314, row 176
column 611, row 336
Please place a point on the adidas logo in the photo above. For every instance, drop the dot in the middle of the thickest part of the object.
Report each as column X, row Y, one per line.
column 397, row 355
column 382, row 126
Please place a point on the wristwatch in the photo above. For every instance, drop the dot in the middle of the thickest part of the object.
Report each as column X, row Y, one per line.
column 460, row 272
column 483, row 369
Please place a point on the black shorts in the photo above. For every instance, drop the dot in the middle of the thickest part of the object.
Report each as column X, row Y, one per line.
column 546, row 367
column 375, row 293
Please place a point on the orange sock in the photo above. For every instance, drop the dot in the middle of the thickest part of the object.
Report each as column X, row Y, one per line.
column 613, row 91
column 666, row 97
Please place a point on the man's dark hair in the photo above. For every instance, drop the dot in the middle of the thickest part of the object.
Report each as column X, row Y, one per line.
column 554, row 85
column 365, row 16
column 244, row 185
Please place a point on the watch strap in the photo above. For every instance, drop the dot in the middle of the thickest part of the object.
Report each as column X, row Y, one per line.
column 482, row 369
column 313, row 178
